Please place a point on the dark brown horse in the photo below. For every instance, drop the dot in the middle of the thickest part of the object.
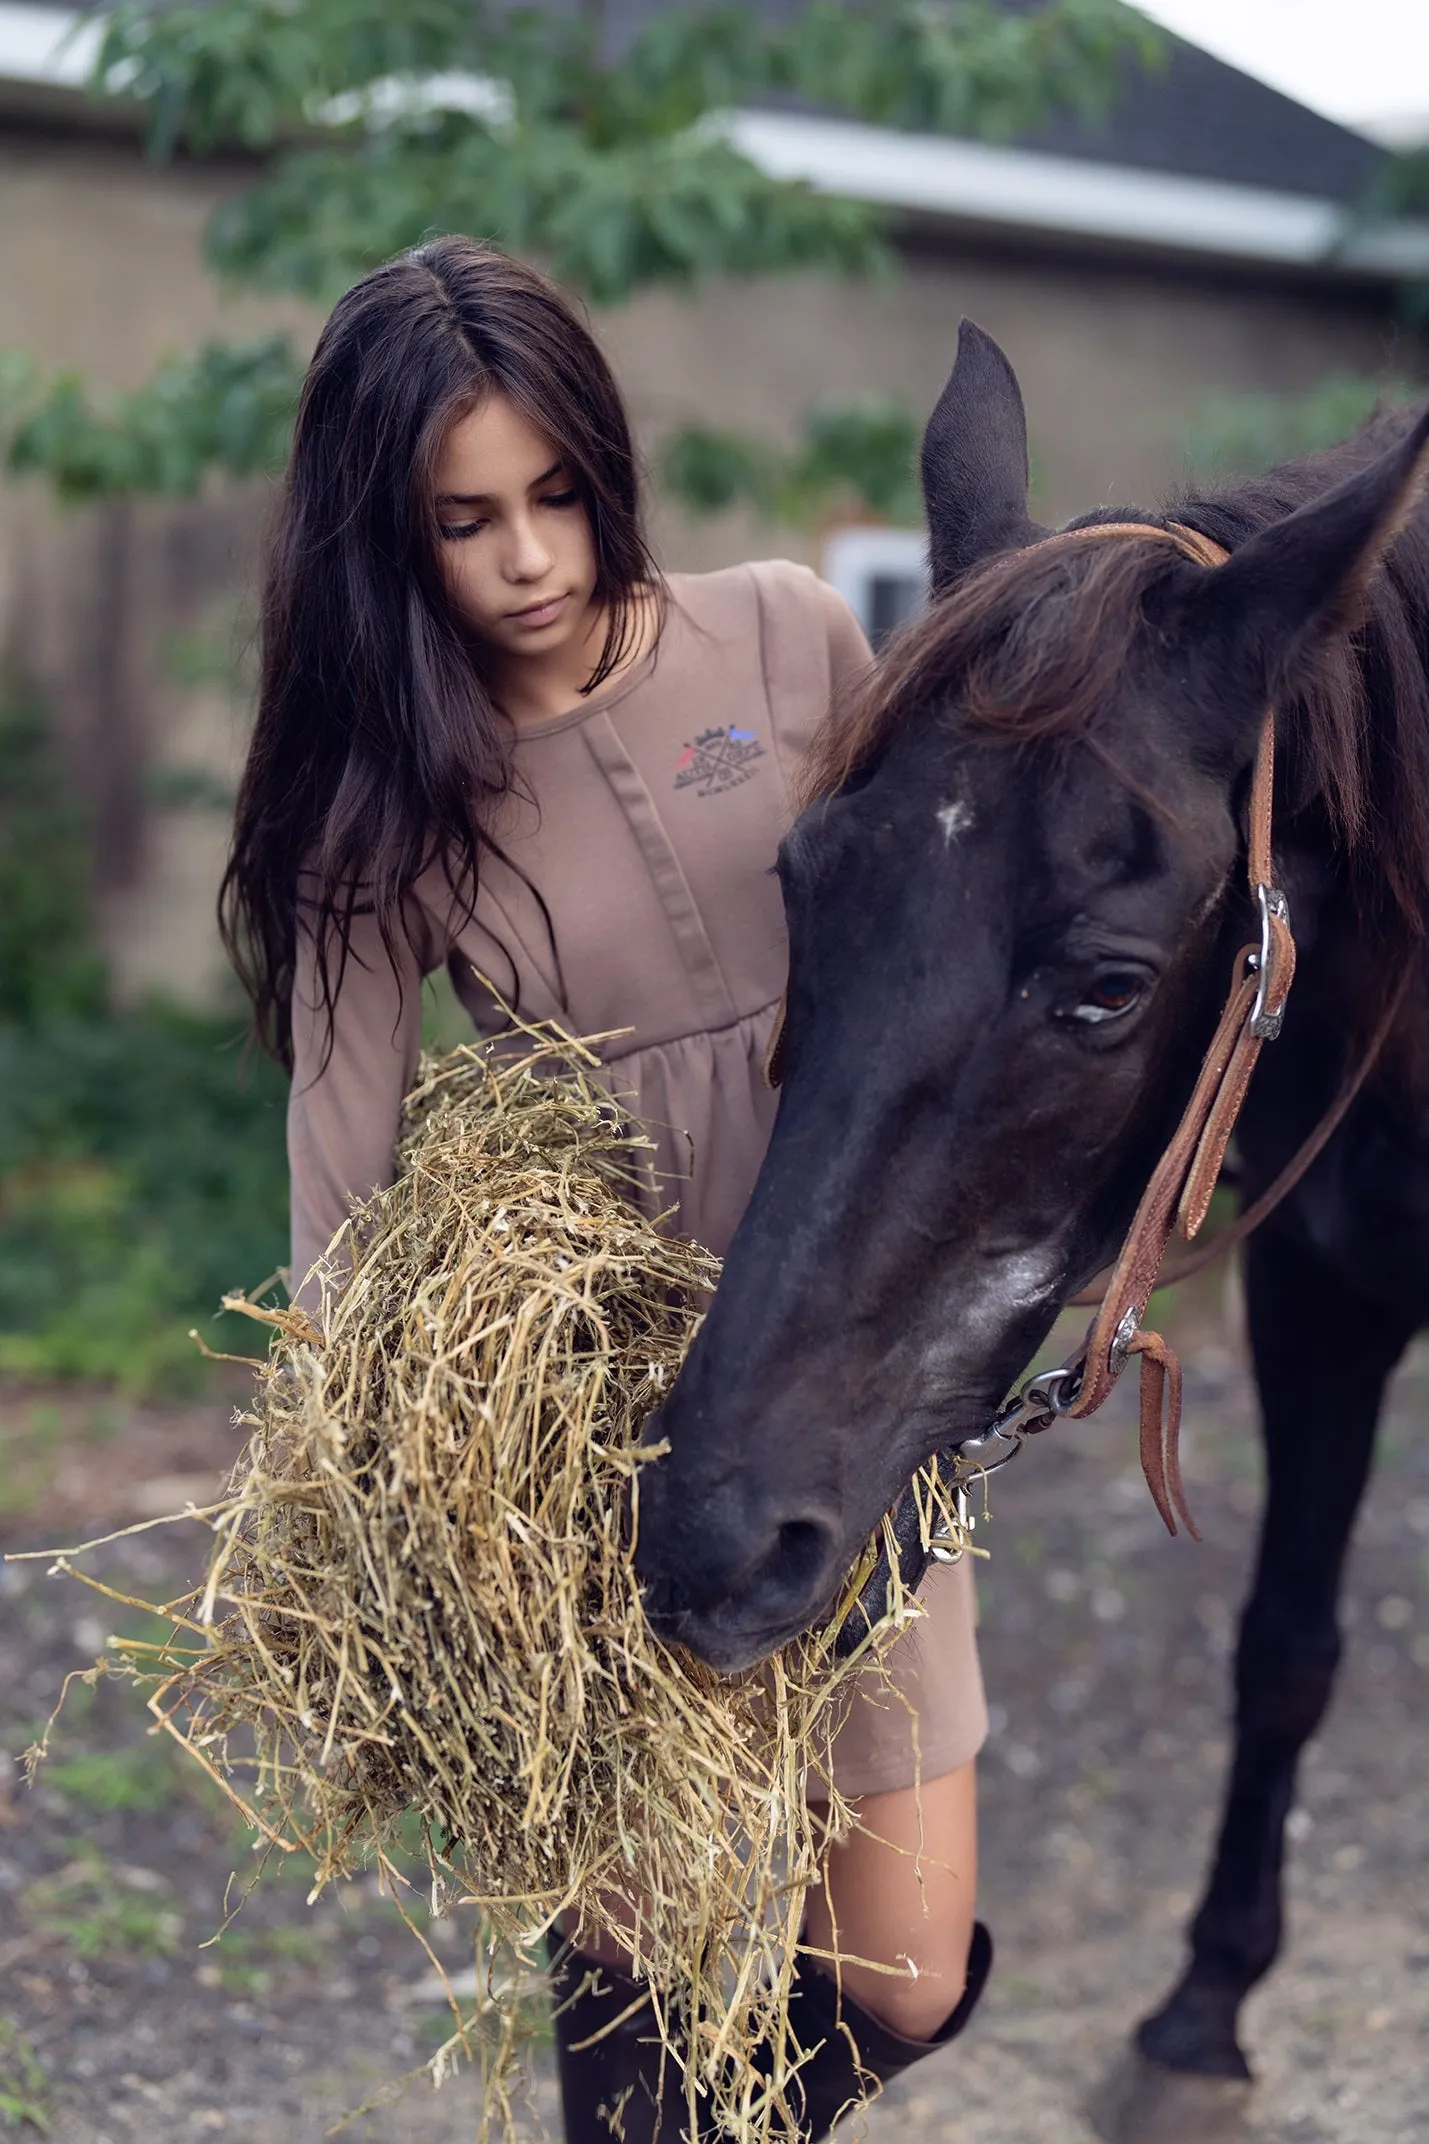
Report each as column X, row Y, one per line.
column 1012, row 911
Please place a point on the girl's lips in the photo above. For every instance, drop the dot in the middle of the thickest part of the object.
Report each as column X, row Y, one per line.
column 539, row 613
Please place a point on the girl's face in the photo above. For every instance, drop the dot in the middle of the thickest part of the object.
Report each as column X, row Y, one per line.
column 516, row 540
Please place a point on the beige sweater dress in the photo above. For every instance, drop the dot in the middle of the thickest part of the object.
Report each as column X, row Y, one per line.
column 637, row 894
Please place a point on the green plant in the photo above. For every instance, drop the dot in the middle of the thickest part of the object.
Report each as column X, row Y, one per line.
column 593, row 152
column 1239, row 435
column 142, row 1778
column 24, row 2087
column 142, row 1174
column 100, row 1909
column 246, row 1961
column 230, row 406
column 48, row 962
column 142, row 1171
column 857, row 456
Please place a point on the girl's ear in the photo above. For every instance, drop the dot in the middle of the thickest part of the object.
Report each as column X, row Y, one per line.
column 1305, row 578
column 974, row 462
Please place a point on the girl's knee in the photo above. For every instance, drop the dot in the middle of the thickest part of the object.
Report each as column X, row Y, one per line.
column 919, row 2003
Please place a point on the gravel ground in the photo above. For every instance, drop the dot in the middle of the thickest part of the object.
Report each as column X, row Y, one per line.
column 1106, row 1649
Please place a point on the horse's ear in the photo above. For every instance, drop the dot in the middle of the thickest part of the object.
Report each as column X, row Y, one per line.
column 974, row 462
column 1305, row 578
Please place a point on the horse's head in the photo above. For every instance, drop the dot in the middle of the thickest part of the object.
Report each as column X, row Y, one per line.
column 1006, row 913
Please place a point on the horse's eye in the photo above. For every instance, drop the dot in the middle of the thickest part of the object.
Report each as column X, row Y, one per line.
column 1110, row 996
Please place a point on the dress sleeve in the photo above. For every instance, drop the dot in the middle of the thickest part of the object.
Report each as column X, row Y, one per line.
column 813, row 648
column 343, row 1114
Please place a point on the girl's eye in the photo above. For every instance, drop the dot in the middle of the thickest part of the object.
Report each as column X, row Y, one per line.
column 460, row 529
column 560, row 498
column 1110, row 996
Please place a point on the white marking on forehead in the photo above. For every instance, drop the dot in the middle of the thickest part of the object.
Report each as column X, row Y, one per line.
column 954, row 817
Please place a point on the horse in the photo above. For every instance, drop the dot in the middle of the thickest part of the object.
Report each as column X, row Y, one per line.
column 1013, row 896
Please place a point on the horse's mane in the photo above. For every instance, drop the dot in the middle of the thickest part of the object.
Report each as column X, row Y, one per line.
column 1032, row 644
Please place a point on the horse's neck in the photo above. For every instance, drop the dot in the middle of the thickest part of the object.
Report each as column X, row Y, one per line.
column 1350, row 975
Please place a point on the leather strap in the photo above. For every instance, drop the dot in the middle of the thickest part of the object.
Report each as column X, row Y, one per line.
column 1280, row 1187
column 1179, row 1192
column 1134, row 1275
column 1160, row 1425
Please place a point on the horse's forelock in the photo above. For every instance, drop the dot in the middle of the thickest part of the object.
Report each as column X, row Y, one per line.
column 1031, row 644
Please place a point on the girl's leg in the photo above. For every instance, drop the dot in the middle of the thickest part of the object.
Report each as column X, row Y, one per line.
column 900, row 1893
column 595, row 1943
column 612, row 2069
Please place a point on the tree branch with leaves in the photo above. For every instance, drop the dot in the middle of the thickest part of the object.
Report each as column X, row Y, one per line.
column 378, row 122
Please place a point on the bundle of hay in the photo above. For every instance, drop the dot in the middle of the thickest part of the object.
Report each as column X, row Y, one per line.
column 421, row 1596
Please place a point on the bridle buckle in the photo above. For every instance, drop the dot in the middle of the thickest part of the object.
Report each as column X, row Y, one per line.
column 1264, row 1024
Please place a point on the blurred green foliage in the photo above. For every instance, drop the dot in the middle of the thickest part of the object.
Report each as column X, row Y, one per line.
column 377, row 122
column 857, row 456
column 256, row 73
column 142, row 1168
column 229, row 407
column 24, row 2084
column 1240, row 435
column 382, row 121
column 145, row 1777
column 99, row 1909
column 48, row 964
column 142, row 1174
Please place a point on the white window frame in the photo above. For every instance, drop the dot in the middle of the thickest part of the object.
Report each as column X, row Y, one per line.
column 853, row 558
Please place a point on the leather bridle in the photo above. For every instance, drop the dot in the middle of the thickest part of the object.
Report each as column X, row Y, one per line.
column 1178, row 1194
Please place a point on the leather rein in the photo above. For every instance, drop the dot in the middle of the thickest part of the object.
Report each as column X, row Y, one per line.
column 1178, row 1195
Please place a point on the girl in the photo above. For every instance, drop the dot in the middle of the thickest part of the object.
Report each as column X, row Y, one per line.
column 492, row 735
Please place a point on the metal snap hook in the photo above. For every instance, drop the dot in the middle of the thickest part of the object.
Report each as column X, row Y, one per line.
column 942, row 1549
column 1050, row 1393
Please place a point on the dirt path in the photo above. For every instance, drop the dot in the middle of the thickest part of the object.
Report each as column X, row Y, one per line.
column 1106, row 1654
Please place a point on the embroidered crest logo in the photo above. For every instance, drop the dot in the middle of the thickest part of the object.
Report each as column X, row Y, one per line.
column 717, row 760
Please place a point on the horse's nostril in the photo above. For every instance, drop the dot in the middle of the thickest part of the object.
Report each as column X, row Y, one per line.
column 731, row 1572
column 799, row 1552
column 790, row 1576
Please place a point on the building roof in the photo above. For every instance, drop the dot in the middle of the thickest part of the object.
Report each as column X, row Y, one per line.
column 1195, row 159
column 1201, row 119
column 1195, row 117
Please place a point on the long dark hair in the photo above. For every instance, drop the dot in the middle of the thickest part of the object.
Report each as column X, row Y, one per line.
column 378, row 749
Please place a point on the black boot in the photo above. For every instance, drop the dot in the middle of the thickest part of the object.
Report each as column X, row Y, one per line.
column 831, row 2081
column 611, row 2088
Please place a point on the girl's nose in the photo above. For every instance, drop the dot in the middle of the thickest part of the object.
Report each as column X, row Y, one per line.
column 527, row 558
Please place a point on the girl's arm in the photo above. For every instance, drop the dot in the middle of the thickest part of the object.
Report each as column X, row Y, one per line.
column 343, row 1114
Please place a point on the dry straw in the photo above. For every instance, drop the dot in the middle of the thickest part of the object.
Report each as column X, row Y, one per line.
column 421, row 1598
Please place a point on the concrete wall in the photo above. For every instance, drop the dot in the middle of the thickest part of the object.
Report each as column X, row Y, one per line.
column 100, row 274
column 100, row 271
